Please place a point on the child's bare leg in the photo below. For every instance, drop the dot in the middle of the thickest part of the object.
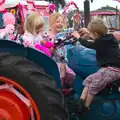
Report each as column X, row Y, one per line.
column 62, row 72
column 84, row 93
column 82, row 101
column 89, row 100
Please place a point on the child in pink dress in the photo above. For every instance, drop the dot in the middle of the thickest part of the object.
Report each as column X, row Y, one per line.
column 56, row 23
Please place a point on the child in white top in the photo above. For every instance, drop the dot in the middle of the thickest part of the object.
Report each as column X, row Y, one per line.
column 33, row 26
column 32, row 37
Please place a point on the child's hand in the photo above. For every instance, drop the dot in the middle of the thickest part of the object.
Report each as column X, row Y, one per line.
column 75, row 34
column 43, row 42
column 83, row 31
column 86, row 36
column 52, row 50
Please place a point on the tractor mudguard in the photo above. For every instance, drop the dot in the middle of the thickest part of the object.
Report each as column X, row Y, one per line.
column 31, row 54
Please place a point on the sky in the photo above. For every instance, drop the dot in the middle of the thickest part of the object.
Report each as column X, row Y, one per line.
column 96, row 3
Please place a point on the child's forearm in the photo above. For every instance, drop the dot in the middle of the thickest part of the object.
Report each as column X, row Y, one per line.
column 86, row 43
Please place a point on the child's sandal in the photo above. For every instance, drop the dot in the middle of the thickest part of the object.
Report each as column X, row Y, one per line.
column 81, row 108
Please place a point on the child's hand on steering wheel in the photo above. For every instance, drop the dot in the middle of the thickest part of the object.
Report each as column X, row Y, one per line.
column 83, row 31
column 75, row 34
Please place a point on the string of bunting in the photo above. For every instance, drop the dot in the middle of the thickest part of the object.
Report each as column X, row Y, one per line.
column 69, row 5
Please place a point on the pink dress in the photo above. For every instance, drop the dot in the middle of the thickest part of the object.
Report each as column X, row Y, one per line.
column 58, row 57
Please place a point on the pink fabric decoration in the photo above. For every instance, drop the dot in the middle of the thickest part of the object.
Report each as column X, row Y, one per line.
column 43, row 49
column 48, row 45
column 51, row 8
column 9, row 21
column 31, row 5
column 117, row 35
column 9, row 29
column 117, row 0
column 8, row 18
column 2, row 5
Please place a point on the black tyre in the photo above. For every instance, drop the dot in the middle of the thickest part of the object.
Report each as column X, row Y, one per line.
column 39, row 85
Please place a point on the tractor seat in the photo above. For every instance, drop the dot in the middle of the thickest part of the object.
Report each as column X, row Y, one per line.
column 111, row 88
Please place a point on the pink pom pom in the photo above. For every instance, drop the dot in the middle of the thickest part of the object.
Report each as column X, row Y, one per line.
column 43, row 49
column 8, row 18
column 49, row 44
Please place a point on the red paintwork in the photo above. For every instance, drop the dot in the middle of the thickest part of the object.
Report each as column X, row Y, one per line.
column 7, row 99
column 12, row 108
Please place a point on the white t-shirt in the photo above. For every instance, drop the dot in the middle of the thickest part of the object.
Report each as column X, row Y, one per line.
column 30, row 40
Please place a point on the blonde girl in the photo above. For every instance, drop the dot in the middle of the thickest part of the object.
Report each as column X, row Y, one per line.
column 33, row 34
column 33, row 27
column 56, row 24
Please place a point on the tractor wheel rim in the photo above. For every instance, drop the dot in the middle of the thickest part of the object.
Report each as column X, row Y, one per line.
column 5, row 115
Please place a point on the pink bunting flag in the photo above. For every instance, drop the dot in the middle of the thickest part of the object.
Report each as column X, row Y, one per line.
column 117, row 0
column 30, row 5
column 2, row 5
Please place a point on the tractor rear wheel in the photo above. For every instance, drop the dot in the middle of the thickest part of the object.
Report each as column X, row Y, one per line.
column 37, row 86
